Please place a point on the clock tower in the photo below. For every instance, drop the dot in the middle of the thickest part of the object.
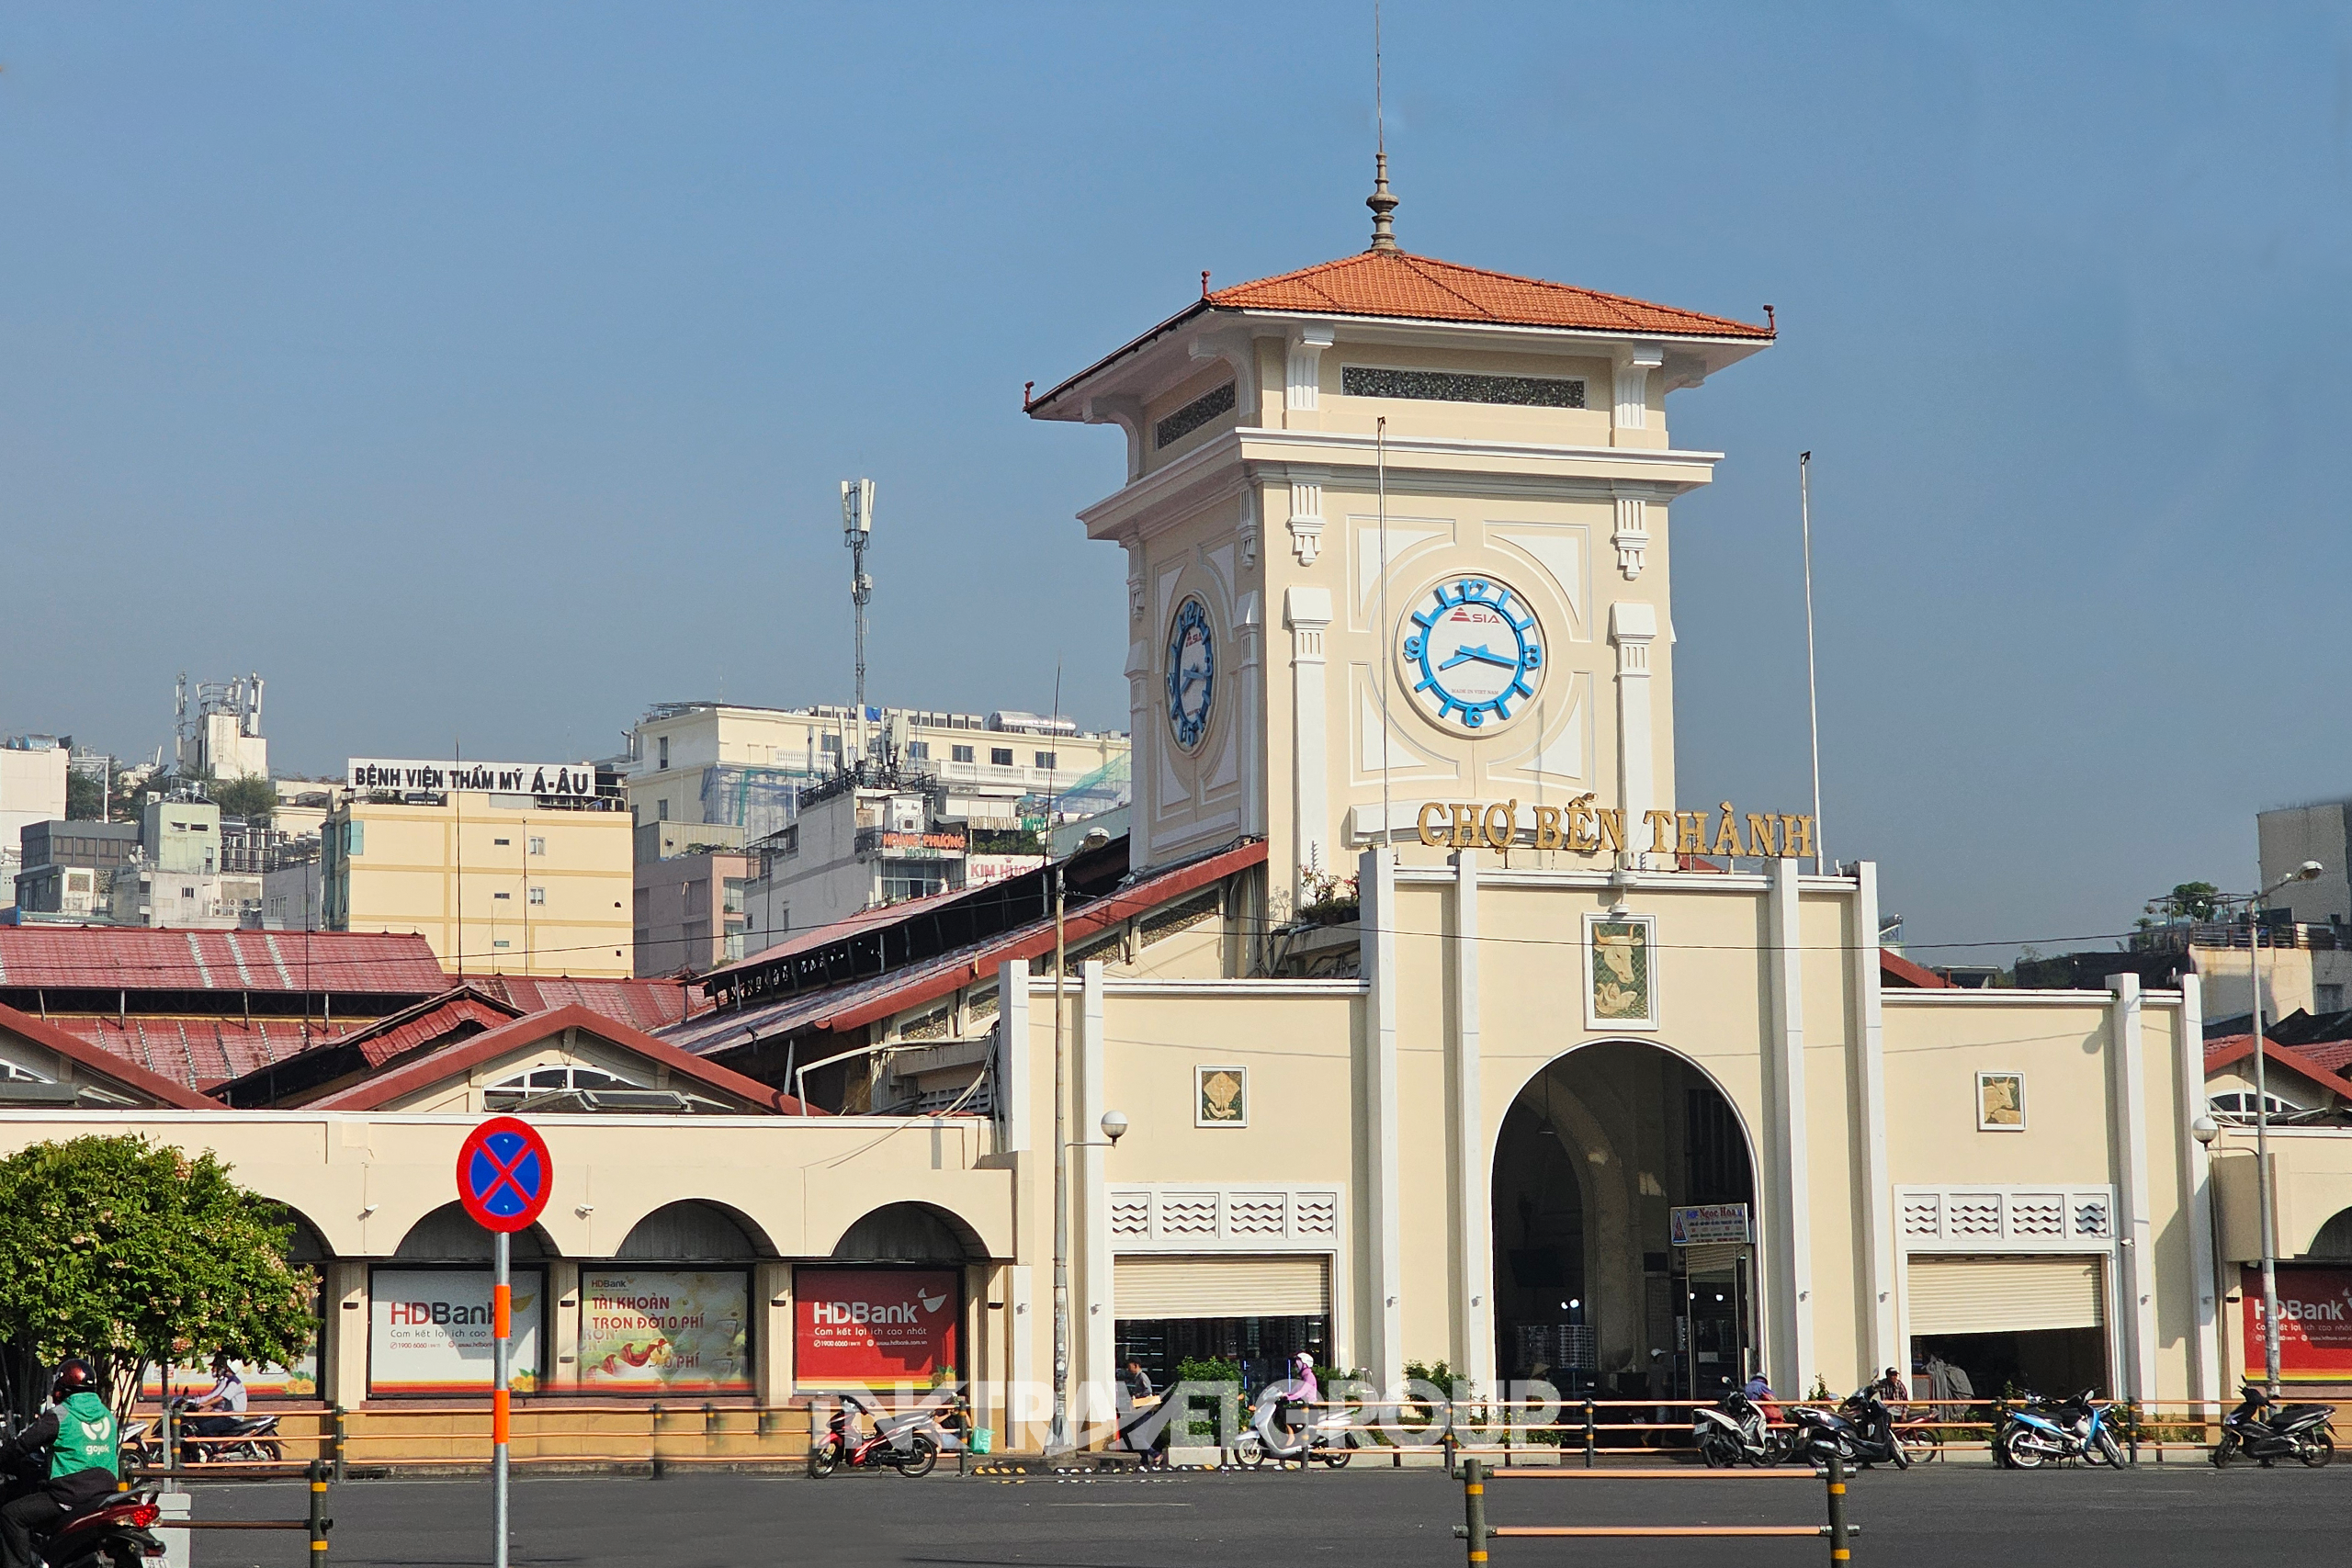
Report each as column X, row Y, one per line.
column 1397, row 540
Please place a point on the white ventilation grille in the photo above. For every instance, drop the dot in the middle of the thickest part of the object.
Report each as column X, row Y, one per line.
column 2006, row 1219
column 1191, row 1214
column 1245, row 1219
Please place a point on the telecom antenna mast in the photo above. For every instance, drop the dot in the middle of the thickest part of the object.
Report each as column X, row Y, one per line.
column 857, row 527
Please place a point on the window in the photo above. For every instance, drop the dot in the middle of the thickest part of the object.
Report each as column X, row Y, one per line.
column 1192, row 416
column 960, row 753
column 831, row 745
column 919, row 751
column 507, row 1092
column 538, row 895
column 354, row 837
column 1046, row 761
column 731, row 895
column 538, row 846
column 1453, row 387
column 663, row 745
column 187, row 892
column 501, row 943
column 911, row 879
column 501, row 842
column 1000, row 755
column 661, row 811
column 2240, row 1107
column 502, row 896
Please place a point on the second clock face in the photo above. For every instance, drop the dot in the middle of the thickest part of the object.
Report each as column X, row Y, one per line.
column 1471, row 652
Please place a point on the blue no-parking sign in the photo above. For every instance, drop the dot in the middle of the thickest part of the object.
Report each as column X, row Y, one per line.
column 504, row 1174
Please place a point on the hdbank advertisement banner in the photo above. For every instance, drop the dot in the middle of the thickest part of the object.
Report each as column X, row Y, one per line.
column 430, row 1331
column 2314, row 1324
column 262, row 1380
column 875, row 1326
column 646, row 1331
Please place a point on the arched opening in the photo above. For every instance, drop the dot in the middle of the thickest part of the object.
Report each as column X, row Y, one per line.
column 690, row 1232
column 1592, row 1291
column 448, row 1235
column 907, row 1233
column 2334, row 1241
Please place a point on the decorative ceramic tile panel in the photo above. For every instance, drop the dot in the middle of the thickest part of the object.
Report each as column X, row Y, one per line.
column 2038, row 1213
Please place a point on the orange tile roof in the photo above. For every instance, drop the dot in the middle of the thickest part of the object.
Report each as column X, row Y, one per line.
column 1396, row 283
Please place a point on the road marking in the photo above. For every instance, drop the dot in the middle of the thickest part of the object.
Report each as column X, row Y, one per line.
column 1118, row 1504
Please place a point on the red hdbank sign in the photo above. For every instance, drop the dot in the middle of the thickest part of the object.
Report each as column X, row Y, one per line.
column 2314, row 1323
column 875, row 1326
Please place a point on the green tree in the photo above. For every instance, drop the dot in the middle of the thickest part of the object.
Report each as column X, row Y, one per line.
column 247, row 797
column 137, row 1254
column 2189, row 901
column 86, row 798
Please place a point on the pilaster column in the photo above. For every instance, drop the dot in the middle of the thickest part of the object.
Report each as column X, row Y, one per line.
column 1634, row 363
column 1787, row 1235
column 1250, row 632
column 1633, row 628
column 2196, row 1165
column 1308, row 611
column 1633, row 535
column 1376, row 1141
column 2135, row 1290
column 1882, row 1344
column 1303, row 372
column 1090, row 1404
column 1148, row 737
column 1474, row 1273
column 1306, row 514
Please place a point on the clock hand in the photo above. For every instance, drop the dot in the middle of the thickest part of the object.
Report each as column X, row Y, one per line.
column 1480, row 652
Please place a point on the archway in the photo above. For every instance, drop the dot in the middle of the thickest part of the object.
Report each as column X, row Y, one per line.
column 908, row 1233
column 1589, row 1291
column 691, row 1231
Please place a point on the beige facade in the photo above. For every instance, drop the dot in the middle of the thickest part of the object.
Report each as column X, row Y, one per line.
column 497, row 888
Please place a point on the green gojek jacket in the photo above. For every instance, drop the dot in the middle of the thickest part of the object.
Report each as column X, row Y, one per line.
column 87, row 1438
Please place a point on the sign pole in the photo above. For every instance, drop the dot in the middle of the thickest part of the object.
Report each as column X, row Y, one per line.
column 502, row 1305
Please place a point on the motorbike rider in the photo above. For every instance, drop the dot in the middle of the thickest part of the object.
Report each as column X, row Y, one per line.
column 1760, row 1394
column 78, row 1430
column 227, row 1395
column 1292, row 1405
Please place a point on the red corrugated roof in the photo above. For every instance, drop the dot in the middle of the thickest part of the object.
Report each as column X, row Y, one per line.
column 159, row 1087
column 1399, row 284
column 199, row 1051
column 140, row 958
column 2229, row 1048
column 439, row 1066
column 646, row 1005
column 1896, row 970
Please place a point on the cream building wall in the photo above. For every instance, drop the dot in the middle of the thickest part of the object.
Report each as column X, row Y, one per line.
column 463, row 874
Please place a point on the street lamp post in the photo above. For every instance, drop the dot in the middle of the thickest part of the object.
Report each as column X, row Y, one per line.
column 2303, row 873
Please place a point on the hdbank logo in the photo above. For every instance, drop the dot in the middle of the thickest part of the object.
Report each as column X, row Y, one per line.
column 931, row 1304
column 872, row 1314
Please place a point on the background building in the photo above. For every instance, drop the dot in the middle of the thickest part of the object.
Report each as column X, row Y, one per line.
column 498, row 883
column 69, row 866
column 217, row 729
column 2288, row 836
column 32, row 789
column 748, row 767
column 688, row 908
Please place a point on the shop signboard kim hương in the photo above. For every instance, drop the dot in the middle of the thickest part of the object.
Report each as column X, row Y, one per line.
column 430, row 1331
column 875, row 1326
column 648, row 1330
column 2314, row 1324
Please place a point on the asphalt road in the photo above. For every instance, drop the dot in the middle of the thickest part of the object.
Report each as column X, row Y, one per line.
column 1933, row 1516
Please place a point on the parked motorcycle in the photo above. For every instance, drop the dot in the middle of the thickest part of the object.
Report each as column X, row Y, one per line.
column 1862, row 1429
column 908, row 1444
column 2038, row 1431
column 1735, row 1429
column 2267, row 1433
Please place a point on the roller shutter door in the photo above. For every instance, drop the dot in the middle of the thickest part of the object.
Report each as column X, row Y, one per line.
column 1146, row 1287
column 1996, row 1295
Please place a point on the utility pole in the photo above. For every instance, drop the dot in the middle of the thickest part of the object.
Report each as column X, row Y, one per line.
column 857, row 527
column 2269, row 1216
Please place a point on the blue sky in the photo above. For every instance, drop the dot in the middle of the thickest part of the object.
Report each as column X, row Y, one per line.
column 487, row 373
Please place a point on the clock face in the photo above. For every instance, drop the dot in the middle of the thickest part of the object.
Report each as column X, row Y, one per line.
column 1472, row 652
column 1192, row 674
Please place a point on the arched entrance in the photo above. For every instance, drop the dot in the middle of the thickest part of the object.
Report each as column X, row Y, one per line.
column 1590, row 1292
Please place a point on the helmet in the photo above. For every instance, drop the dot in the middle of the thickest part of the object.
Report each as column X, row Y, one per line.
column 75, row 1376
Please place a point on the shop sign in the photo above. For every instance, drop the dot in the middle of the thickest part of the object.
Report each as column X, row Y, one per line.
column 575, row 781
column 2314, row 1324
column 979, row 869
column 1708, row 1225
column 644, row 1331
column 429, row 1331
column 875, row 1326
column 1580, row 827
column 922, row 846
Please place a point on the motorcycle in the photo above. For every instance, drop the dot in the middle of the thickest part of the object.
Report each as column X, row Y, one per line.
column 250, row 1439
column 1328, row 1440
column 904, row 1443
column 2268, row 1433
column 2038, row 1429
column 1862, row 1430
column 1735, row 1429
column 119, row 1535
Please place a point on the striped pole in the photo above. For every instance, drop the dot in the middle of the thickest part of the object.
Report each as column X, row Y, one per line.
column 1838, row 1550
column 501, row 1302
column 1474, row 1510
column 319, row 1521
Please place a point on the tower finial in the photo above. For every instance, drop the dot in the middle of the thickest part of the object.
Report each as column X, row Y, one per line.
column 1383, row 233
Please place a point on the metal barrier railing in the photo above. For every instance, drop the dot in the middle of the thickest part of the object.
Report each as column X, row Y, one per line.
column 1476, row 1532
column 317, row 1525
